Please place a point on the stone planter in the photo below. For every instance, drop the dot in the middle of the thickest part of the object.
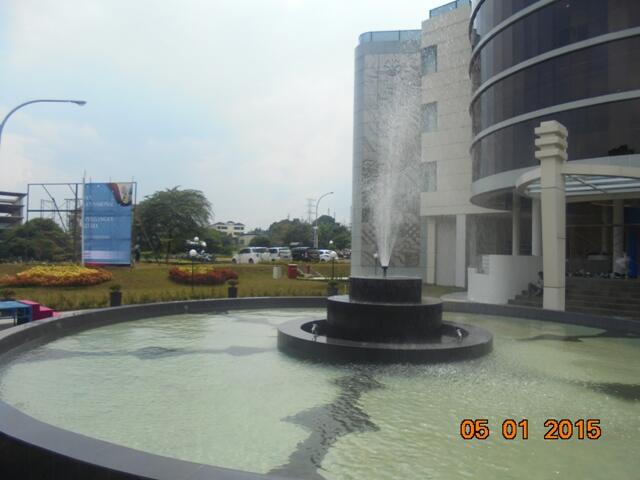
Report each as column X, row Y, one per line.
column 332, row 290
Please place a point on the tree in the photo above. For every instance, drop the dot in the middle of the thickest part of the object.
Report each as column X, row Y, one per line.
column 217, row 242
column 287, row 231
column 39, row 239
column 260, row 241
column 329, row 229
column 166, row 218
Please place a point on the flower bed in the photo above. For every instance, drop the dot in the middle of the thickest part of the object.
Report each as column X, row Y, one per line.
column 202, row 276
column 57, row 276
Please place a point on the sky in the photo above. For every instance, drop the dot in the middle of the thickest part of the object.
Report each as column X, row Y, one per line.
column 249, row 101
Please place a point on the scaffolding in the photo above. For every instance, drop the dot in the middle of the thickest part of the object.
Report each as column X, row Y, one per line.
column 62, row 203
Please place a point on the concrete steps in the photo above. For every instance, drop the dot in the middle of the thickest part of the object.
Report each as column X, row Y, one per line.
column 619, row 298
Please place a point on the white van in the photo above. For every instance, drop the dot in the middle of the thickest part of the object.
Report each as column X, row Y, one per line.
column 279, row 253
column 251, row 255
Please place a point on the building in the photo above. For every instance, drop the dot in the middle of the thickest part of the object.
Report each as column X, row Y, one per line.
column 458, row 231
column 490, row 73
column 386, row 113
column 435, row 82
column 233, row 229
column 577, row 63
column 11, row 209
column 245, row 239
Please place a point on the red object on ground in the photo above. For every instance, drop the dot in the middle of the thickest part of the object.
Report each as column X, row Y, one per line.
column 38, row 311
column 292, row 271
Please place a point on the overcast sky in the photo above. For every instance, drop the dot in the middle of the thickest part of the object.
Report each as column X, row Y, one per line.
column 248, row 101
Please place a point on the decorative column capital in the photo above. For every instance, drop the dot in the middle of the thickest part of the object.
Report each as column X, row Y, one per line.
column 551, row 141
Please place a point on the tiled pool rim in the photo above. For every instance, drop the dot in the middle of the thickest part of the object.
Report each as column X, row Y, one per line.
column 30, row 448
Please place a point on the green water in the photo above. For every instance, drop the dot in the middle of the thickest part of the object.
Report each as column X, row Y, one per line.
column 214, row 389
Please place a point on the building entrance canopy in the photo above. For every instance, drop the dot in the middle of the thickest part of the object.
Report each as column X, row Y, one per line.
column 586, row 182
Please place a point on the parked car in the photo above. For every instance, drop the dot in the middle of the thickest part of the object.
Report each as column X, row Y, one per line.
column 327, row 255
column 313, row 255
column 345, row 253
column 251, row 255
column 300, row 253
column 279, row 253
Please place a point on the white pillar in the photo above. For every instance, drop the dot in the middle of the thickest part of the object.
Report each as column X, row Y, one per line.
column 461, row 251
column 431, row 250
column 515, row 225
column 618, row 234
column 551, row 143
column 472, row 244
column 536, row 228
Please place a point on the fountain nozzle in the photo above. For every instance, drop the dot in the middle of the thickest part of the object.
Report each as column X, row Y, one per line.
column 384, row 270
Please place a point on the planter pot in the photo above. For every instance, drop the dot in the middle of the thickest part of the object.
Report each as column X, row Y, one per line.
column 232, row 292
column 115, row 299
column 331, row 290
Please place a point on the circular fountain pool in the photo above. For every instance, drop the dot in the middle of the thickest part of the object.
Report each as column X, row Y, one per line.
column 213, row 389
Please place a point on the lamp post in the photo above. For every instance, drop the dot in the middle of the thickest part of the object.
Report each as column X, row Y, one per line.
column 315, row 222
column 375, row 263
column 192, row 254
column 333, row 261
column 80, row 103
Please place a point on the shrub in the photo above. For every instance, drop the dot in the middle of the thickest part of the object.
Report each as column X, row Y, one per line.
column 202, row 276
column 57, row 276
column 7, row 294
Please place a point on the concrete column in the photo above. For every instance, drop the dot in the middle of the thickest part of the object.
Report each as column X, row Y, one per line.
column 515, row 225
column 536, row 228
column 461, row 251
column 551, row 143
column 618, row 234
column 431, row 250
column 472, row 241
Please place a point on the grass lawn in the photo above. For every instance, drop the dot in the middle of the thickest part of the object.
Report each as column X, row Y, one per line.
column 149, row 282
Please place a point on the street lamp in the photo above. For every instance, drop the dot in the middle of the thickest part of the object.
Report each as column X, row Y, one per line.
column 315, row 223
column 80, row 103
column 197, row 243
column 193, row 254
column 333, row 261
column 375, row 263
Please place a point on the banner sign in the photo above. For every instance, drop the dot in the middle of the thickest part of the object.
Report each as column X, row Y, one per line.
column 106, row 229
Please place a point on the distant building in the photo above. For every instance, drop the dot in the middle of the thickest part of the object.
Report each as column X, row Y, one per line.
column 245, row 239
column 233, row 229
column 11, row 209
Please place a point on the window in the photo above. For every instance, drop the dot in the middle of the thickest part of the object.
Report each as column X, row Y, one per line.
column 429, row 57
column 430, row 176
column 430, row 117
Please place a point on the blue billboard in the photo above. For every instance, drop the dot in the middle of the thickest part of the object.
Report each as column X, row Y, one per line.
column 106, row 223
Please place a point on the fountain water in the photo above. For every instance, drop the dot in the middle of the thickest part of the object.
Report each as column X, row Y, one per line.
column 392, row 189
column 387, row 319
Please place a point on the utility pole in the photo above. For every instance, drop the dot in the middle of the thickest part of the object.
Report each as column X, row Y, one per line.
column 311, row 202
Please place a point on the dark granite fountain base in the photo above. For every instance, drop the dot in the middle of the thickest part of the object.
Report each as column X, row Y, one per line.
column 383, row 320
column 295, row 339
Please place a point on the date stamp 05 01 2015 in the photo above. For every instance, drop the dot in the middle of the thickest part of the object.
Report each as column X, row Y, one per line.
column 563, row 429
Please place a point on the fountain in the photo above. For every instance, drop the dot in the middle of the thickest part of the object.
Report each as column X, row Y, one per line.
column 383, row 320
column 387, row 319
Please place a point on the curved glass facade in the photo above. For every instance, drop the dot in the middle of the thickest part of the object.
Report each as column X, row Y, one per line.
column 601, row 69
column 493, row 13
column 608, row 68
column 554, row 26
column 596, row 131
